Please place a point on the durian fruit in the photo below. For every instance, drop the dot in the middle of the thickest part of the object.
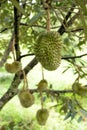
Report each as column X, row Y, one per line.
column 26, row 98
column 9, row 67
column 17, row 65
column 48, row 50
column 42, row 116
column 13, row 67
column 42, row 85
column 79, row 89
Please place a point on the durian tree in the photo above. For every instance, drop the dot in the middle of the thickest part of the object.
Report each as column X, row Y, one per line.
column 52, row 31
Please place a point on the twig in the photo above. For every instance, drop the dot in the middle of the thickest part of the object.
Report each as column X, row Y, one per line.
column 76, row 30
column 22, row 56
column 52, row 91
column 74, row 57
column 78, row 103
column 7, row 51
column 4, row 29
column 63, row 57
column 62, row 28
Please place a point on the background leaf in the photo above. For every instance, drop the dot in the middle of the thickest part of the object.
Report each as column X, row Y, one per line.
column 16, row 4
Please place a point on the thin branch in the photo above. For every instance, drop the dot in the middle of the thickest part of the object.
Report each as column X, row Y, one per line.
column 7, row 51
column 76, row 30
column 77, row 102
column 62, row 28
column 4, row 29
column 22, row 56
column 72, row 19
column 39, row 26
column 64, row 57
column 74, row 57
column 52, row 91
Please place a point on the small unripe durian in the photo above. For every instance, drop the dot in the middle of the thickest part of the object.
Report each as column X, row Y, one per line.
column 79, row 89
column 17, row 65
column 42, row 85
column 9, row 67
column 42, row 116
column 13, row 67
column 26, row 98
column 48, row 50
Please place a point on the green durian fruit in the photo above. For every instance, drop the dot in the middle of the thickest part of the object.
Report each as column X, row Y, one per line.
column 42, row 85
column 79, row 89
column 26, row 98
column 42, row 116
column 48, row 50
column 13, row 67
column 17, row 65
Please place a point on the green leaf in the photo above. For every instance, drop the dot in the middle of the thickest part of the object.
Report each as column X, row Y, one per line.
column 68, row 115
column 73, row 114
column 35, row 18
column 82, row 4
column 16, row 4
column 79, row 119
column 66, row 69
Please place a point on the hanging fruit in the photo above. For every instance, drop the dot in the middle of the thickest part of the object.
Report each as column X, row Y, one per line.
column 13, row 67
column 42, row 85
column 48, row 50
column 26, row 98
column 42, row 116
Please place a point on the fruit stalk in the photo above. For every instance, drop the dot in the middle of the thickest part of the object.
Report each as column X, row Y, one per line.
column 48, row 19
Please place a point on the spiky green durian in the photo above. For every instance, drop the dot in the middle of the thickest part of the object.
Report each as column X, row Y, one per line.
column 48, row 50
column 42, row 116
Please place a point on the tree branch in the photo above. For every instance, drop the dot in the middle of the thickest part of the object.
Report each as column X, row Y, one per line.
column 52, row 91
column 63, row 57
column 16, row 31
column 7, row 51
column 76, row 30
column 74, row 57
column 4, row 29
column 64, row 24
column 12, row 91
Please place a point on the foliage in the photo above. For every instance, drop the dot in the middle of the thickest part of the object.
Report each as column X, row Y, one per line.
column 23, row 20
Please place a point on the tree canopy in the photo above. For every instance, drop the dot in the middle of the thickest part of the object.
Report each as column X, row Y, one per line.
column 21, row 22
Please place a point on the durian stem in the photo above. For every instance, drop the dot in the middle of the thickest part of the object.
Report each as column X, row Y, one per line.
column 41, row 100
column 13, row 52
column 48, row 19
column 25, row 86
column 42, row 72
